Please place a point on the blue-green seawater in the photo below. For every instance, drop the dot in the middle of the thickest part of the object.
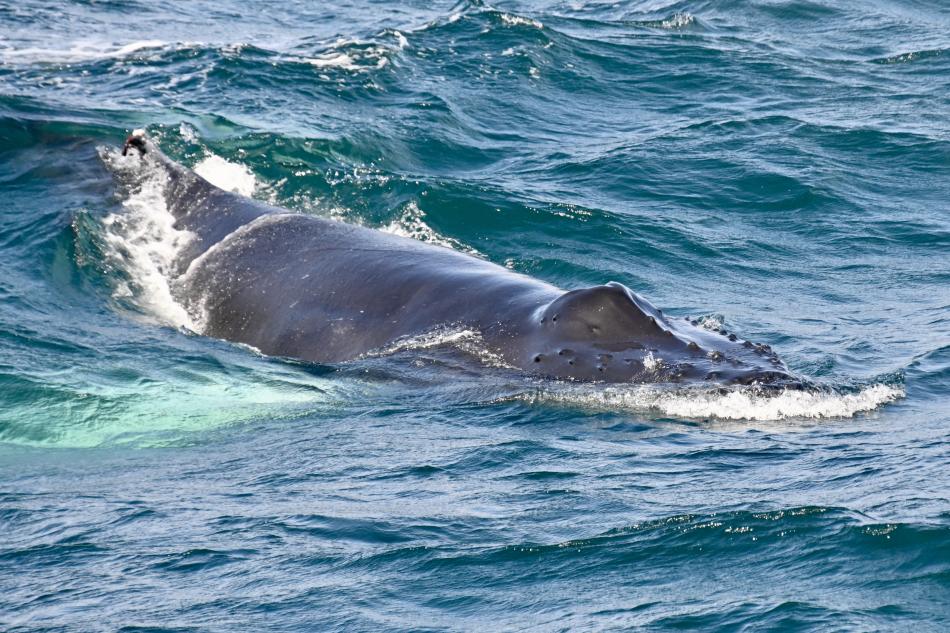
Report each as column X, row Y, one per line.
column 780, row 167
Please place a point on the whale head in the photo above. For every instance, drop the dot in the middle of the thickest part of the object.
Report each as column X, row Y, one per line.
column 609, row 333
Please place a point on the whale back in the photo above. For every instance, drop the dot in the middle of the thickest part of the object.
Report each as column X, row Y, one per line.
column 325, row 291
column 207, row 212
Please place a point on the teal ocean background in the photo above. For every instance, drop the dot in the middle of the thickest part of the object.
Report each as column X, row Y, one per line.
column 778, row 168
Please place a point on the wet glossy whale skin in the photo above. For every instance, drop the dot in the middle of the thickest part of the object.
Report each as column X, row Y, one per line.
column 325, row 291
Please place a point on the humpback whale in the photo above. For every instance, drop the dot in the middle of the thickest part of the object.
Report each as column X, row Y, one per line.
column 305, row 287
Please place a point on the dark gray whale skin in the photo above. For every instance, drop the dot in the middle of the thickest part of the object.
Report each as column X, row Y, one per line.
column 319, row 290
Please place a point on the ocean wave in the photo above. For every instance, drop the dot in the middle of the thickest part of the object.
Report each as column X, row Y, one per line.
column 679, row 20
column 913, row 56
column 351, row 55
column 802, row 538
column 721, row 530
column 355, row 55
column 511, row 19
column 81, row 52
column 411, row 223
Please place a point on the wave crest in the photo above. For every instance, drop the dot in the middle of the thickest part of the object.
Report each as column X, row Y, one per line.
column 411, row 223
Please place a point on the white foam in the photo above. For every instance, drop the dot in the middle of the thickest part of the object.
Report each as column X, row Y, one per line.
column 79, row 52
column 517, row 20
column 711, row 322
column 652, row 363
column 188, row 133
column 677, row 21
column 122, row 51
column 343, row 55
column 227, row 175
column 464, row 339
column 739, row 403
column 333, row 60
column 143, row 241
column 412, row 224
column 401, row 40
column 428, row 340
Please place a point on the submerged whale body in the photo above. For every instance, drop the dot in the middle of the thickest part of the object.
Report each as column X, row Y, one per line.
column 319, row 290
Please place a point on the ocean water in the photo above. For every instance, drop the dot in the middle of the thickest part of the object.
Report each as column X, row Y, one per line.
column 779, row 168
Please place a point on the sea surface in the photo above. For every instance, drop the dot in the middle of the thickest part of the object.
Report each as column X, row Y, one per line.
column 778, row 168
